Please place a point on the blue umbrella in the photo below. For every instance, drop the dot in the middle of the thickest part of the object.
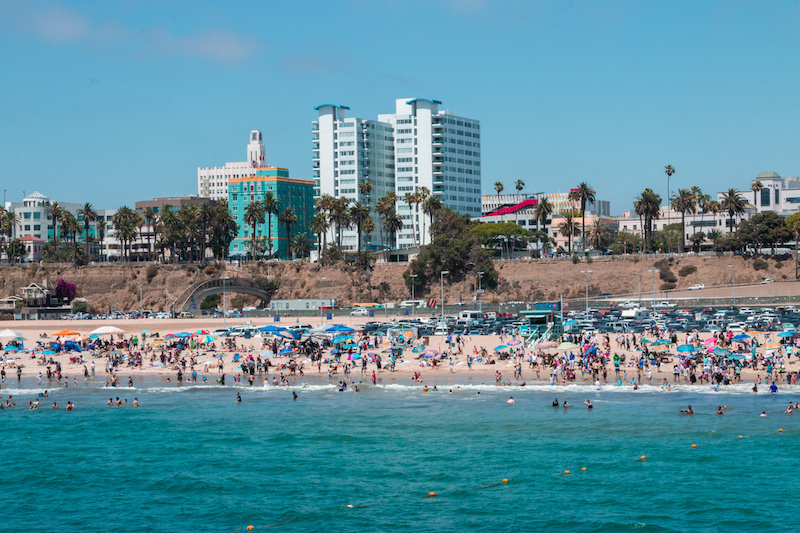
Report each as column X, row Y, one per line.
column 49, row 352
column 721, row 352
column 334, row 351
column 741, row 337
column 286, row 352
column 270, row 329
column 95, row 336
column 787, row 334
column 351, row 345
column 686, row 348
column 342, row 338
column 183, row 334
column 501, row 347
column 338, row 328
column 10, row 348
column 592, row 350
column 736, row 356
column 146, row 331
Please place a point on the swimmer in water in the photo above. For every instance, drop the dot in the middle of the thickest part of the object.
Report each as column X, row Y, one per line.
column 719, row 410
column 566, row 404
column 294, row 395
column 763, row 413
column 70, row 406
column 510, row 399
column 238, row 398
column 688, row 410
column 755, row 388
column 55, row 405
column 555, row 402
column 588, row 404
column 136, row 402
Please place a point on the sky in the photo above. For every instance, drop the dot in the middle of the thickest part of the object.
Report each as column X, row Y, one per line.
column 112, row 102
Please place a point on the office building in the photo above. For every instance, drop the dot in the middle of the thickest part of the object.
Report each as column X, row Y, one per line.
column 212, row 182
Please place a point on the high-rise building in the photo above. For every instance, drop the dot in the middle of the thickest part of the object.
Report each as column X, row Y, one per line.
column 438, row 151
column 417, row 146
column 353, row 158
column 212, row 182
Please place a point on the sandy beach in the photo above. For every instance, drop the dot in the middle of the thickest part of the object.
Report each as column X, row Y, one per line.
column 207, row 359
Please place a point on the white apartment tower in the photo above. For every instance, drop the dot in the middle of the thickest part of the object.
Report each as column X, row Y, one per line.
column 417, row 146
column 348, row 153
column 212, row 182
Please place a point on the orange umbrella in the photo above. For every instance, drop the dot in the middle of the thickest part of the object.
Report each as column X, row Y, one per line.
column 65, row 332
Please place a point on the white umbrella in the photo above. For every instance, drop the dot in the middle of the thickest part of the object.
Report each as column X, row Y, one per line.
column 106, row 330
column 8, row 333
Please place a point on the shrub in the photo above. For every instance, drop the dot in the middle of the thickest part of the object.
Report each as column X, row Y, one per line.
column 589, row 259
column 80, row 305
column 210, row 302
column 66, row 290
column 688, row 269
column 576, row 259
column 152, row 271
column 778, row 264
column 667, row 286
column 210, row 270
column 667, row 275
column 760, row 264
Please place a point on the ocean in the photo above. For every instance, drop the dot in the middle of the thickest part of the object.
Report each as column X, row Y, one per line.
column 193, row 459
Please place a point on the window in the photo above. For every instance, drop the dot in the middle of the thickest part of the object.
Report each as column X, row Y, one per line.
column 777, row 196
column 765, row 197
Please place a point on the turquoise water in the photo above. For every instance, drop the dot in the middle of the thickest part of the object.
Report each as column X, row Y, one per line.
column 192, row 459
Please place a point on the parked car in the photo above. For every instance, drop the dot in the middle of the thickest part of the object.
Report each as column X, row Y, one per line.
column 767, row 280
column 697, row 287
column 361, row 311
column 662, row 305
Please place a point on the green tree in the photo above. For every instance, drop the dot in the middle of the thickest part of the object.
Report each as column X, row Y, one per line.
column 541, row 212
column 584, row 194
column 299, row 246
column 734, row 204
column 648, row 206
column 599, row 234
column 253, row 215
column 684, row 202
column 569, row 228
column 288, row 218
column 15, row 250
column 359, row 214
column 498, row 186
column 89, row 215
column 340, row 215
column 430, row 205
column 54, row 211
column 271, row 206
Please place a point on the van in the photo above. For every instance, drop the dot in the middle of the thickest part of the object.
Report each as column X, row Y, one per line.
column 414, row 303
column 441, row 329
column 470, row 316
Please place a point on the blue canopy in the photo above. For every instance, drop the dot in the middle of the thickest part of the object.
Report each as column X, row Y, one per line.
column 271, row 329
column 787, row 334
column 721, row 352
column 686, row 348
column 338, row 328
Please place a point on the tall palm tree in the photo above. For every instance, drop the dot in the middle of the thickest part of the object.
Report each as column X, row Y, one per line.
column 324, row 206
column 648, row 205
column 271, row 206
column 703, row 203
column 392, row 223
column 584, row 194
column 364, row 190
column 757, row 187
column 100, row 229
column 359, row 213
column 697, row 194
column 69, row 226
column 518, row 185
column 669, row 171
column 569, row 229
column 299, row 246
column 599, row 234
column 89, row 215
column 253, row 215
column 318, row 226
column 430, row 206
column 288, row 218
column 684, row 202
column 410, row 199
column 498, row 186
column 8, row 221
column 149, row 216
column 54, row 211
column 340, row 215
column 541, row 212
column 733, row 203
column 223, row 230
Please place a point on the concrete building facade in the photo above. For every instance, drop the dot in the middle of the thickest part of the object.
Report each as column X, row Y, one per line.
column 212, row 182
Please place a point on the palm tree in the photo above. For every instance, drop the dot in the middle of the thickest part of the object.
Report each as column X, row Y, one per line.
column 340, row 215
column 583, row 194
column 392, row 223
column 684, row 202
column 288, row 218
column 69, row 226
column 757, row 187
column 430, row 206
column 149, row 216
column 359, row 213
column 54, row 211
column 89, row 215
column 364, row 188
column 599, row 234
column 8, row 221
column 648, row 205
column 569, row 229
column 519, row 185
column 498, row 186
column 410, row 199
column 299, row 246
column 271, row 206
column 224, row 229
column 100, row 229
column 714, row 236
column 669, row 171
column 253, row 215
column 384, row 206
column 697, row 194
column 733, row 203
column 318, row 226
column 542, row 211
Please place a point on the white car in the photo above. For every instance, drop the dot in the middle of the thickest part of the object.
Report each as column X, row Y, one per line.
column 361, row 311
column 664, row 304
column 628, row 304
column 697, row 287
column 767, row 280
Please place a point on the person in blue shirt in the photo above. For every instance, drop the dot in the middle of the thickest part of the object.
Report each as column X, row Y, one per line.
column 773, row 388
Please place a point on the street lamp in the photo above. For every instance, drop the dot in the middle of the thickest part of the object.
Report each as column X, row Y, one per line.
column 734, row 285
column 442, row 284
column 320, row 299
column 413, row 302
column 480, row 291
column 587, row 272
column 141, row 301
column 654, row 288
column 639, row 285
column 224, row 311
column 111, row 311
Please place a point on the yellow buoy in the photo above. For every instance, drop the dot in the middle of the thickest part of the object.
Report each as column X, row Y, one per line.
column 584, row 468
column 431, row 494
column 566, row 471
column 694, row 445
column 505, row 480
column 642, row 458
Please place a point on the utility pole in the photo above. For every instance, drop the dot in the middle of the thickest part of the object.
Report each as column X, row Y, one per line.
column 413, row 302
column 654, row 288
column 587, row 272
column 320, row 299
column 480, row 292
column 111, row 311
column 442, row 283
column 734, row 285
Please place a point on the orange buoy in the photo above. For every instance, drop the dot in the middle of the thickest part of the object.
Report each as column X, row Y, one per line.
column 584, row 468
column 780, row 431
column 349, row 506
column 642, row 458
column 431, row 494
column 566, row 471
column 505, row 480
column 694, row 445
column 740, row 436
column 249, row 528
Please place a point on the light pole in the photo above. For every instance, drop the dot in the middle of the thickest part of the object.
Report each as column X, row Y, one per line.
column 413, row 302
column 224, row 310
column 141, row 301
column 654, row 288
column 320, row 299
column 442, row 284
column 111, row 311
column 734, row 285
column 639, row 285
column 480, row 291
column 587, row 272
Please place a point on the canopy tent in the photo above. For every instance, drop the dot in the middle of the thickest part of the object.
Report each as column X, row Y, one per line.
column 106, row 330
column 8, row 333
column 65, row 333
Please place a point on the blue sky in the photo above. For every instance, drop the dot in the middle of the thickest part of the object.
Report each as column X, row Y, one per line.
column 114, row 102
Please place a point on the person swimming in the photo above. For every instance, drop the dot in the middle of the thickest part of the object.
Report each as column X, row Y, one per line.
column 555, row 402
column 566, row 404
column 588, row 404
column 238, row 398
column 688, row 410
column 719, row 410
column 510, row 399
column 294, row 395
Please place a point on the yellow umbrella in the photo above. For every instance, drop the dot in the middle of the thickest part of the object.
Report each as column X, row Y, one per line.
column 658, row 348
column 772, row 345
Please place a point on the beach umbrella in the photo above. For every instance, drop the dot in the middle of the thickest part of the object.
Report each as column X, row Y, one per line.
column 773, row 345
column 354, row 356
column 686, row 348
column 207, row 338
column 184, row 334
column 736, row 356
column 106, row 330
column 515, row 343
column 93, row 337
column 8, row 333
column 662, row 342
column 286, row 352
column 591, row 351
column 787, row 333
column 659, row 348
column 741, row 337
column 10, row 348
column 65, row 333
column 351, row 345
column 721, row 352
column 709, row 341
column 202, row 332
column 431, row 352
column 548, row 344
column 170, row 336
column 270, row 329
column 341, row 338
column 286, row 334
column 49, row 352
column 19, row 339
column 338, row 328
column 501, row 347
column 646, row 341
column 566, row 346
column 418, row 349
column 267, row 353
column 115, row 352
column 146, row 331
column 334, row 351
